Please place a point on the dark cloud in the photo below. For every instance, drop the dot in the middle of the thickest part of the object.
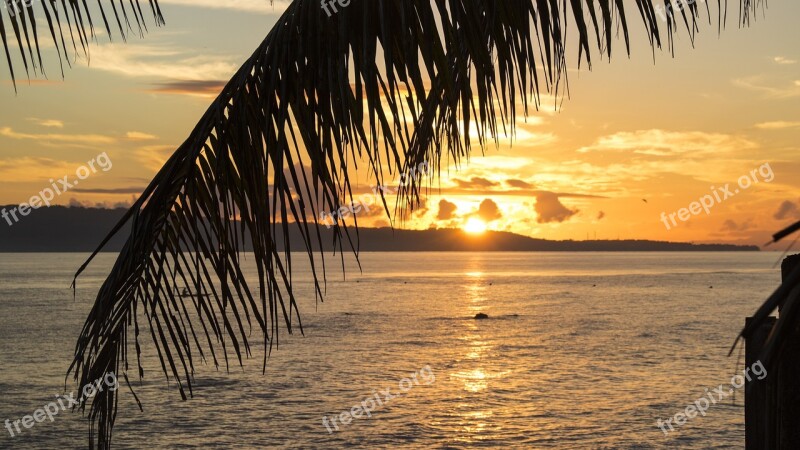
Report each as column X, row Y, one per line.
column 189, row 87
column 488, row 211
column 787, row 210
column 369, row 206
column 421, row 207
column 125, row 204
column 446, row 210
column 519, row 184
column 550, row 209
column 730, row 225
column 475, row 183
column 415, row 208
column 75, row 203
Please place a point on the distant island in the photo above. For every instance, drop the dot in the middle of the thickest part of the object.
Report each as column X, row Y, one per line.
column 61, row 229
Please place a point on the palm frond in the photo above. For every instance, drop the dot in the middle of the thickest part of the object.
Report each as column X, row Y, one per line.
column 785, row 295
column 71, row 17
column 393, row 82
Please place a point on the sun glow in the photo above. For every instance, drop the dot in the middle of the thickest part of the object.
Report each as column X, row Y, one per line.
column 475, row 226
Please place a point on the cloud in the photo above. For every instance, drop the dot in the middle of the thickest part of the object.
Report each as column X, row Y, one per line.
column 787, row 210
column 154, row 156
column 48, row 123
column 494, row 163
column 488, row 210
column 574, row 195
column 376, row 209
column 160, row 62
column 420, row 208
column 732, row 226
column 81, row 139
column 549, row 208
column 768, row 87
column 661, row 143
column 199, row 88
column 446, row 210
column 127, row 190
column 33, row 169
column 783, row 61
column 139, row 136
column 522, row 135
column 777, row 125
column 475, row 183
column 251, row 6
column 382, row 223
column 519, row 184
column 75, row 203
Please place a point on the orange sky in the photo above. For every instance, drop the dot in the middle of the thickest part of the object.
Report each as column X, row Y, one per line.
column 635, row 139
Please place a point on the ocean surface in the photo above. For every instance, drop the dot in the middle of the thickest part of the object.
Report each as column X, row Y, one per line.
column 581, row 350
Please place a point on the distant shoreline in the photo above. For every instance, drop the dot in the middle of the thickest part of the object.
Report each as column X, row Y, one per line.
column 79, row 230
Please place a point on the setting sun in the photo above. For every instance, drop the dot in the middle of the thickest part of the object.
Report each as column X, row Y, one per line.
column 475, row 226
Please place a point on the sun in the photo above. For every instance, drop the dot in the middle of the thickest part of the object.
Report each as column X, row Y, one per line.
column 475, row 226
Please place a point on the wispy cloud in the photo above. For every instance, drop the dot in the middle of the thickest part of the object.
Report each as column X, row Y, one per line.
column 783, row 61
column 84, row 139
column 523, row 134
column 777, row 125
column 200, row 88
column 160, row 62
column 31, row 169
column 256, row 6
column 661, row 143
column 770, row 89
column 139, row 136
column 48, row 123
column 491, row 163
column 154, row 156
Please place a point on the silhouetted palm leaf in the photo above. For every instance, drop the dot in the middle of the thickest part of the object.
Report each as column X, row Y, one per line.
column 785, row 296
column 71, row 17
column 393, row 82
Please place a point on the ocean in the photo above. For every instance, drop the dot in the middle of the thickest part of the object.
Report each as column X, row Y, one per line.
column 580, row 350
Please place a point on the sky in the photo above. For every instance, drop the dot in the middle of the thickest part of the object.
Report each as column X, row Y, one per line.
column 699, row 147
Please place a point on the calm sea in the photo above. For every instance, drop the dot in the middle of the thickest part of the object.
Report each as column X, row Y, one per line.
column 580, row 351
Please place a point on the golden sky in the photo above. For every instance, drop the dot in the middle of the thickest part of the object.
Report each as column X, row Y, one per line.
column 636, row 137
